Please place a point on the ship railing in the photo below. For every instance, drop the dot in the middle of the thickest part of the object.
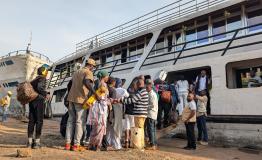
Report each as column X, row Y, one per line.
column 23, row 52
column 150, row 20
column 178, row 54
column 67, row 56
column 59, row 79
column 235, row 35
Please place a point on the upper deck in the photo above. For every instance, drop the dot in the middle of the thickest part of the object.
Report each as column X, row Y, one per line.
column 196, row 36
column 168, row 14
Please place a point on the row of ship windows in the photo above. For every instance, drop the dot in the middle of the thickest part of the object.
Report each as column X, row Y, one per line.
column 216, row 26
column 6, row 63
column 212, row 25
column 10, row 84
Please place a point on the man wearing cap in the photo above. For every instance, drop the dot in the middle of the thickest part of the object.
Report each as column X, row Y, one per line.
column 5, row 105
column 82, row 88
column 152, row 114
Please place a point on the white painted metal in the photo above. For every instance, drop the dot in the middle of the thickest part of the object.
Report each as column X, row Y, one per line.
column 147, row 51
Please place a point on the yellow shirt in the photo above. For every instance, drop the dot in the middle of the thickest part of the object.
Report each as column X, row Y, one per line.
column 5, row 102
column 78, row 91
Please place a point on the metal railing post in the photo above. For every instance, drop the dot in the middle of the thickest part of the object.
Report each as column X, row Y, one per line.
column 196, row 6
column 113, row 68
column 157, row 17
column 138, row 25
column 228, row 45
column 184, row 46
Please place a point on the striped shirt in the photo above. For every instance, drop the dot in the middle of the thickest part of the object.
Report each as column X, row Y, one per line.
column 140, row 101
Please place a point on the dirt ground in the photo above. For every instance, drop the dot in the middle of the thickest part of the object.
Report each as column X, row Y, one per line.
column 13, row 137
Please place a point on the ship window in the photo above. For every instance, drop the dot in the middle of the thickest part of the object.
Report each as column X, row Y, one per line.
column 253, row 18
column 169, row 43
column 132, row 52
column 9, row 62
column 159, row 45
column 238, row 73
column 123, row 55
column 233, row 23
column 13, row 84
column 103, row 60
column 190, row 36
column 202, row 32
column 219, row 27
column 117, row 56
column 109, row 58
column 178, row 41
column 140, row 49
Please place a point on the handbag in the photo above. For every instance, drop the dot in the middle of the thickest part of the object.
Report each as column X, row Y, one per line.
column 173, row 116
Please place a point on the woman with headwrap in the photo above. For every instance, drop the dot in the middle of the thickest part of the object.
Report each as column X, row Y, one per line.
column 97, row 117
column 115, row 130
column 36, row 108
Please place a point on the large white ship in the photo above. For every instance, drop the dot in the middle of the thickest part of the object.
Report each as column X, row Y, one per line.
column 16, row 67
column 182, row 38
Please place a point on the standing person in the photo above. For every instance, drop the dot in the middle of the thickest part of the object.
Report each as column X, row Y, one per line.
column 174, row 91
column 116, row 131
column 164, row 105
column 183, row 87
column 152, row 115
column 201, row 118
column 189, row 118
column 5, row 105
column 112, row 95
column 123, row 82
column 129, row 115
column 82, row 87
column 201, row 83
column 36, row 109
column 140, row 101
column 98, row 114
column 111, row 87
column 254, row 81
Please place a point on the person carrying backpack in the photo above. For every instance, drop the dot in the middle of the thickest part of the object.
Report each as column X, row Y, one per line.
column 36, row 108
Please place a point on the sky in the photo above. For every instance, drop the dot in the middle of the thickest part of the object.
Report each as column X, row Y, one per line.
column 57, row 25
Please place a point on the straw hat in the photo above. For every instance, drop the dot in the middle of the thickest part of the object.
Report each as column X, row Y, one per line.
column 91, row 62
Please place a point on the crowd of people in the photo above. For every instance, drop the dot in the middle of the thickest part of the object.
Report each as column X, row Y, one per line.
column 147, row 105
column 119, row 117
column 137, row 111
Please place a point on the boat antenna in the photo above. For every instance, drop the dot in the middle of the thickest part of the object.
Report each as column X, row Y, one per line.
column 29, row 44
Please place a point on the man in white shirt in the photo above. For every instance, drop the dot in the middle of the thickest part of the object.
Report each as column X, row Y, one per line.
column 189, row 118
column 202, row 82
column 152, row 114
column 183, row 88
